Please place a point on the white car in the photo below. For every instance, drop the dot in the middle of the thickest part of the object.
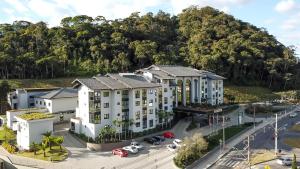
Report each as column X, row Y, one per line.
column 177, row 142
column 171, row 147
column 293, row 115
column 137, row 145
column 131, row 149
column 284, row 161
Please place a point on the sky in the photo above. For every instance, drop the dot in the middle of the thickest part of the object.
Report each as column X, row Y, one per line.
column 280, row 18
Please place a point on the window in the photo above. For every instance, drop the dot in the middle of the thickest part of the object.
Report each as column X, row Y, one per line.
column 105, row 94
column 49, row 104
column 36, row 102
column 213, row 89
column 118, row 103
column 137, row 94
column 165, row 90
column 118, row 92
column 137, row 115
column 31, row 97
column 151, row 111
column 165, row 100
column 40, row 102
column 137, row 103
column 219, row 95
column 165, row 81
column 106, row 105
column 166, row 107
column 151, row 123
column 106, row 116
column 205, row 90
column 155, row 100
column 137, row 124
column 44, row 103
column 151, row 91
column 151, row 102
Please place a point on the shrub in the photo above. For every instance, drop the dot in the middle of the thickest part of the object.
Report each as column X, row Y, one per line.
column 10, row 148
column 191, row 126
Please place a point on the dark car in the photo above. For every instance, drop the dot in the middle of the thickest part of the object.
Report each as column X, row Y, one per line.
column 151, row 141
column 159, row 138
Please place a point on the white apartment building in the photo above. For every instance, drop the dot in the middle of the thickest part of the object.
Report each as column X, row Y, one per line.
column 137, row 97
column 24, row 98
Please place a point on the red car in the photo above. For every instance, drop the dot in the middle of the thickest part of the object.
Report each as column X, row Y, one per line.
column 120, row 152
column 168, row 134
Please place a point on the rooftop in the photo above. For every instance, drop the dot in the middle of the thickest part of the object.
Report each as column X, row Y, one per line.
column 60, row 93
column 35, row 116
column 133, row 80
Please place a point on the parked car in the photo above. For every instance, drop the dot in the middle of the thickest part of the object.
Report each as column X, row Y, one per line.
column 293, row 115
column 137, row 145
column 168, row 134
column 171, row 147
column 160, row 138
column 177, row 142
column 120, row 152
column 131, row 149
column 284, row 161
column 151, row 141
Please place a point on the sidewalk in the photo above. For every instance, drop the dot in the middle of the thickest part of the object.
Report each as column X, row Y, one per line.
column 212, row 157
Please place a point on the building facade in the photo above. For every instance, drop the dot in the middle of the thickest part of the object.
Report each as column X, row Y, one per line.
column 134, row 101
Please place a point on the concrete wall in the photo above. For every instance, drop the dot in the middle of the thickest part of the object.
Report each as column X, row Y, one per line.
column 107, row 146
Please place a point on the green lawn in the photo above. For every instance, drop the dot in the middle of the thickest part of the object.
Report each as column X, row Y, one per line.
column 249, row 93
column 213, row 141
column 296, row 127
column 261, row 157
column 293, row 142
column 55, row 154
column 40, row 83
column 9, row 135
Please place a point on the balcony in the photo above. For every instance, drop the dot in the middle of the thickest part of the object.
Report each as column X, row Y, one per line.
column 125, row 99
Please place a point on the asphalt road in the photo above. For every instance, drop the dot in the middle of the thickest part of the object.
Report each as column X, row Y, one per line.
column 262, row 139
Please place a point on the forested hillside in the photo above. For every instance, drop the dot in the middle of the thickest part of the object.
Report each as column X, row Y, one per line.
column 202, row 38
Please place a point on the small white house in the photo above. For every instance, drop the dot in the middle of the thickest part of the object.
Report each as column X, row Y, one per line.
column 61, row 103
column 11, row 120
column 31, row 126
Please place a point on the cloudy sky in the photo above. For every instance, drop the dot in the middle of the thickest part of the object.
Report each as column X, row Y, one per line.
column 280, row 17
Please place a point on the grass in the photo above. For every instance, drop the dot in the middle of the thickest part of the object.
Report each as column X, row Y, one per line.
column 261, row 157
column 10, row 135
column 213, row 140
column 40, row 83
column 292, row 142
column 296, row 127
column 245, row 94
column 35, row 116
column 55, row 154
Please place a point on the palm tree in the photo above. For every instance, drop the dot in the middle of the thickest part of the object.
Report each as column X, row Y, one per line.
column 34, row 146
column 115, row 123
column 44, row 147
column 59, row 141
column 47, row 138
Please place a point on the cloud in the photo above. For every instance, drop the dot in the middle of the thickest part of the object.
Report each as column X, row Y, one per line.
column 286, row 6
column 17, row 4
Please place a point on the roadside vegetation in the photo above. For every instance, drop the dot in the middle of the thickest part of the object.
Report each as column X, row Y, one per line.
column 6, row 134
column 262, row 156
column 39, row 83
column 292, row 142
column 295, row 127
column 247, row 94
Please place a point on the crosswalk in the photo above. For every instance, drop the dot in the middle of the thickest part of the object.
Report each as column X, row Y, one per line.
column 230, row 161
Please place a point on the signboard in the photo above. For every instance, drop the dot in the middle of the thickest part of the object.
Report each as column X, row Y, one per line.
column 217, row 110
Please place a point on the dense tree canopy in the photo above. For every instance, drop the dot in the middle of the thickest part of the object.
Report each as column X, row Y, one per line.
column 202, row 38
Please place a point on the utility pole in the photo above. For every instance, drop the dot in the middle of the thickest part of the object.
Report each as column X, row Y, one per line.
column 223, row 125
column 276, row 134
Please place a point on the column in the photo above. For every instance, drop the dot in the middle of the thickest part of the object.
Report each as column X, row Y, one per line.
column 183, row 92
column 176, row 93
column 192, row 90
column 199, row 90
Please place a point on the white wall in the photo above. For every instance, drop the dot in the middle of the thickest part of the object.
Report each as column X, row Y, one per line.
column 62, row 104
column 31, row 131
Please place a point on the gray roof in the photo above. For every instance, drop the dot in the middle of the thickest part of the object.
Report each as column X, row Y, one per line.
column 60, row 93
column 133, row 80
column 110, row 82
column 161, row 74
column 176, row 70
column 211, row 75
column 91, row 83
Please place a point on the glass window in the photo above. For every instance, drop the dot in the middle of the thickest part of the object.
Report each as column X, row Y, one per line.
column 105, row 94
column 118, row 103
column 151, row 91
column 106, row 105
column 165, row 81
column 49, row 104
column 166, row 107
column 137, row 94
column 137, row 115
column 151, row 111
column 151, row 123
column 165, row 100
column 138, row 124
column 106, row 116
column 151, row 102
column 137, row 103
column 165, row 90
column 118, row 92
